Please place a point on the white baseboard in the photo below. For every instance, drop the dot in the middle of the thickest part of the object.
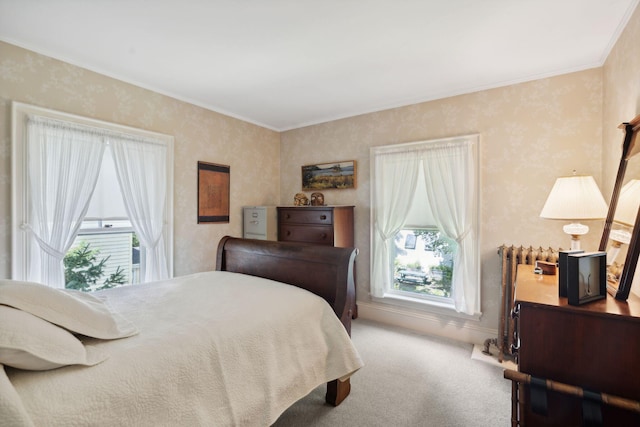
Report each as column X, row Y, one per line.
column 428, row 323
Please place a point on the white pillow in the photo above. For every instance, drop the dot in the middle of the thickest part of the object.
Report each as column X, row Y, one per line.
column 28, row 342
column 76, row 311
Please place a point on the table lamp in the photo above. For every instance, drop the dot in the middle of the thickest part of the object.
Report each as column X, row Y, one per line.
column 575, row 198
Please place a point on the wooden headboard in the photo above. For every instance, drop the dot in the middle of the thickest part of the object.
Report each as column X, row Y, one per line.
column 326, row 271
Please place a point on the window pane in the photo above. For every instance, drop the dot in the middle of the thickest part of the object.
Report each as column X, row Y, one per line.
column 423, row 262
column 103, row 258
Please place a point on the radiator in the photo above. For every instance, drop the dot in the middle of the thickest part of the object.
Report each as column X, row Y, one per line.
column 510, row 257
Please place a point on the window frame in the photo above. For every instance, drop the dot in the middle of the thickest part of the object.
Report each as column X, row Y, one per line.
column 434, row 304
column 20, row 245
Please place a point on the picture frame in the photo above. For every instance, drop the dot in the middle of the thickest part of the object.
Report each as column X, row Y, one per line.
column 213, row 192
column 563, row 268
column 586, row 277
column 329, row 176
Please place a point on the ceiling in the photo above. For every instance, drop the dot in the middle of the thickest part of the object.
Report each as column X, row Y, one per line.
column 284, row 64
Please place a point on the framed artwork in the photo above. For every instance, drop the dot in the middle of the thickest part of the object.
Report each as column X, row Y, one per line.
column 586, row 277
column 328, row 176
column 213, row 192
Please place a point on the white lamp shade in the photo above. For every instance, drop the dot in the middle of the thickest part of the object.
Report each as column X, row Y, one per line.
column 628, row 203
column 575, row 198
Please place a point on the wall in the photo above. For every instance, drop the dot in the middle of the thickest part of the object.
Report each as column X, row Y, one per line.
column 621, row 97
column 252, row 152
column 531, row 133
column 621, row 104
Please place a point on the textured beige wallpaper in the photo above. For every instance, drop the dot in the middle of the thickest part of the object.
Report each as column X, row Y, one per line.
column 621, row 98
column 531, row 133
column 252, row 152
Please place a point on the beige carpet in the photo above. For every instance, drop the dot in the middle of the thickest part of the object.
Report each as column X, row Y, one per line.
column 411, row 380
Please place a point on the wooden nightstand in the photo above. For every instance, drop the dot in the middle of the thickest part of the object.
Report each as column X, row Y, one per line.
column 594, row 346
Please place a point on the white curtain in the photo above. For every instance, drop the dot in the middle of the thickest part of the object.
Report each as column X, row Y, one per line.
column 396, row 175
column 63, row 164
column 142, row 175
column 452, row 189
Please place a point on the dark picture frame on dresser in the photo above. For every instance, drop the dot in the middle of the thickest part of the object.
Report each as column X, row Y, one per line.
column 586, row 277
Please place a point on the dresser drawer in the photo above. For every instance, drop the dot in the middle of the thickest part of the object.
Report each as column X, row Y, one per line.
column 318, row 234
column 306, row 216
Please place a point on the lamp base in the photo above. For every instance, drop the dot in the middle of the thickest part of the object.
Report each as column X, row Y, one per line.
column 618, row 238
column 575, row 230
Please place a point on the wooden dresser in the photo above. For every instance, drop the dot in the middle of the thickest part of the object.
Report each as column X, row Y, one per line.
column 595, row 347
column 321, row 225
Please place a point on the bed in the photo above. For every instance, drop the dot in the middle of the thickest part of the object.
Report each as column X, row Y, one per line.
column 234, row 346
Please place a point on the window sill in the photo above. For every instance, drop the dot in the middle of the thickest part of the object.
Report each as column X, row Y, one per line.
column 420, row 304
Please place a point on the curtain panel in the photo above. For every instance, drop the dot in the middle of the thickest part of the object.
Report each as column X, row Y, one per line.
column 142, row 176
column 393, row 193
column 63, row 165
column 450, row 171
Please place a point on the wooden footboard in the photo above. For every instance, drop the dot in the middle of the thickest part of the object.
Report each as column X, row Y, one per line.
column 326, row 271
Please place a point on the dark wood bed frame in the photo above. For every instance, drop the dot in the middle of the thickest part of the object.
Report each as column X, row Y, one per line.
column 326, row 271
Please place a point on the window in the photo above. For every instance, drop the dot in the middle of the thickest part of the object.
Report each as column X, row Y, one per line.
column 59, row 184
column 424, row 217
column 423, row 264
column 106, row 251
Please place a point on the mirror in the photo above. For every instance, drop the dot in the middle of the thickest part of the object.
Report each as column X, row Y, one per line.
column 621, row 262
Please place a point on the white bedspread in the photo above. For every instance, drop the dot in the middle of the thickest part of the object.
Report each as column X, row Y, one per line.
column 215, row 349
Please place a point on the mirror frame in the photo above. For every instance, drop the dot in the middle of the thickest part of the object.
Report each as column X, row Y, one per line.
column 629, row 149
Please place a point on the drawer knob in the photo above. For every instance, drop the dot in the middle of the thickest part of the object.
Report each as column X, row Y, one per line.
column 287, row 216
column 288, row 233
column 323, row 235
column 323, row 217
